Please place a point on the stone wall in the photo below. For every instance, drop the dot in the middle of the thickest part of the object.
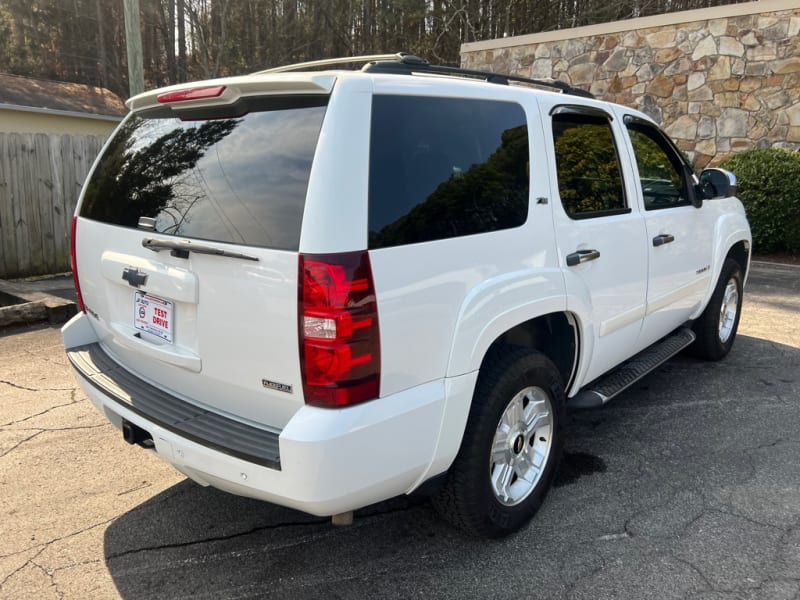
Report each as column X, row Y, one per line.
column 719, row 80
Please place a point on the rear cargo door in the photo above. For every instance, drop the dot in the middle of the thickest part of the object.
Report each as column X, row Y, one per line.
column 187, row 240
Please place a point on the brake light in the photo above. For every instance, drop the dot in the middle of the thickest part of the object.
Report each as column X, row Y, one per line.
column 198, row 93
column 73, row 261
column 339, row 335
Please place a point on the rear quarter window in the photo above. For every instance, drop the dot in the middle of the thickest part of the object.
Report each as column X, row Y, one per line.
column 445, row 167
column 241, row 180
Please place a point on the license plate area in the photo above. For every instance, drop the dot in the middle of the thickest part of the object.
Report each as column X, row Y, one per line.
column 154, row 315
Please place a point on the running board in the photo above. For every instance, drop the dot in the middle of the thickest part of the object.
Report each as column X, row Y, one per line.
column 605, row 387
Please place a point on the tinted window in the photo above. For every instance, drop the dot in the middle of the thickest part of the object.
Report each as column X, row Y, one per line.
column 660, row 169
column 241, row 180
column 442, row 167
column 589, row 177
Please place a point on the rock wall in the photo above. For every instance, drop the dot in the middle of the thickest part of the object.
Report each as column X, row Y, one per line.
column 718, row 82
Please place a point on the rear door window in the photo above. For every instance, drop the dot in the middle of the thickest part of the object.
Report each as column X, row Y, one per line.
column 445, row 167
column 587, row 165
column 241, row 180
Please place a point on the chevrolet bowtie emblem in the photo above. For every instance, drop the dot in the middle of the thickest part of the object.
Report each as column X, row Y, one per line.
column 134, row 277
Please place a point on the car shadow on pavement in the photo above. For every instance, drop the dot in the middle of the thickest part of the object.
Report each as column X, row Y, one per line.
column 197, row 542
column 676, row 429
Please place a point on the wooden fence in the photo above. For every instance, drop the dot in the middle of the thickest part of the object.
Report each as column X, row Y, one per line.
column 40, row 180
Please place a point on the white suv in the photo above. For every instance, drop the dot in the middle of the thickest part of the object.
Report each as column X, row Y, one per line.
column 327, row 288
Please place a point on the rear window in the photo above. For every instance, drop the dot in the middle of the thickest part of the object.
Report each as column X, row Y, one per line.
column 241, row 180
column 445, row 167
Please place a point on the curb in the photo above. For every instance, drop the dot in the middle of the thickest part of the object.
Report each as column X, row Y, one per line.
column 19, row 305
column 767, row 263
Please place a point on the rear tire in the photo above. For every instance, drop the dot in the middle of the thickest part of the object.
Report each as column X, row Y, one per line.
column 511, row 448
column 716, row 327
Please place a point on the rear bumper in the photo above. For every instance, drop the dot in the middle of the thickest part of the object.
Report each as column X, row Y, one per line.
column 325, row 461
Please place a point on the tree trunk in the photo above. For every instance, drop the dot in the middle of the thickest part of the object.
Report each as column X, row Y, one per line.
column 101, row 44
column 181, row 75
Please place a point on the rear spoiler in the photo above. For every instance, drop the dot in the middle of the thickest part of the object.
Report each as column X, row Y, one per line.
column 232, row 90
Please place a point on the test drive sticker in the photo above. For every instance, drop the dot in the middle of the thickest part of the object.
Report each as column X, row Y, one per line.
column 153, row 315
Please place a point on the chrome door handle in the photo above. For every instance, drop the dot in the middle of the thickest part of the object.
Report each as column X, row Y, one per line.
column 662, row 239
column 582, row 256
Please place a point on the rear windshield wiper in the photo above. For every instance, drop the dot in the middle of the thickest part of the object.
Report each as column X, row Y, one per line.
column 181, row 248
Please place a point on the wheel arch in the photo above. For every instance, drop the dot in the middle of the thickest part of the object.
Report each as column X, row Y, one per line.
column 736, row 246
column 498, row 306
column 555, row 335
column 732, row 240
column 740, row 252
column 524, row 331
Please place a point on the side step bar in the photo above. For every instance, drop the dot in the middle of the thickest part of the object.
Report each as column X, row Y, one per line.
column 605, row 387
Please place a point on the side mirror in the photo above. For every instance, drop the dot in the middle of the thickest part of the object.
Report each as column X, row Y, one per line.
column 717, row 183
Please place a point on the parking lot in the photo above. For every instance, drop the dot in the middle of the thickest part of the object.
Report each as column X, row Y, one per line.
column 685, row 486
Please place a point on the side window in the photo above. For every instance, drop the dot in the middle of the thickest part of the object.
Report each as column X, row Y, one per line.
column 660, row 167
column 587, row 166
column 445, row 167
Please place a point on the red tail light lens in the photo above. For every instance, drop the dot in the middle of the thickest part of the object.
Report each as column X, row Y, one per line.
column 339, row 337
column 73, row 261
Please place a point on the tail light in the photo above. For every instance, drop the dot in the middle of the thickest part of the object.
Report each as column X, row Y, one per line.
column 198, row 93
column 339, row 336
column 73, row 261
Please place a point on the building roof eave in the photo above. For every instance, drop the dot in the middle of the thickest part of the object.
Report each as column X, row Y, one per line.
column 60, row 113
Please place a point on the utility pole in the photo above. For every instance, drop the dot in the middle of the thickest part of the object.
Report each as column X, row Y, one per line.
column 133, row 39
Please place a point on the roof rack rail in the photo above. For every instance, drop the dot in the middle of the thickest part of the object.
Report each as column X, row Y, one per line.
column 408, row 64
column 326, row 62
column 402, row 63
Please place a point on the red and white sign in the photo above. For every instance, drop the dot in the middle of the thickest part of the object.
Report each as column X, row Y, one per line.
column 153, row 315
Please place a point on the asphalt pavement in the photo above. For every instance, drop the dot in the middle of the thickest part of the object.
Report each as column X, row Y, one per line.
column 685, row 486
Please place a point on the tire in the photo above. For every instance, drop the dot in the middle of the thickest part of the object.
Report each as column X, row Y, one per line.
column 515, row 421
column 716, row 327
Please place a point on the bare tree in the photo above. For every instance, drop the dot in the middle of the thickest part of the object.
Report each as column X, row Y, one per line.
column 83, row 40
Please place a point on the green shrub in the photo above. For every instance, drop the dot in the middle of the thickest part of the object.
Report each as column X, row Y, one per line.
column 769, row 188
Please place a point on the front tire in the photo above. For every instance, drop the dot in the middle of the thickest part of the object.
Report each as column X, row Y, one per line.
column 511, row 448
column 716, row 328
